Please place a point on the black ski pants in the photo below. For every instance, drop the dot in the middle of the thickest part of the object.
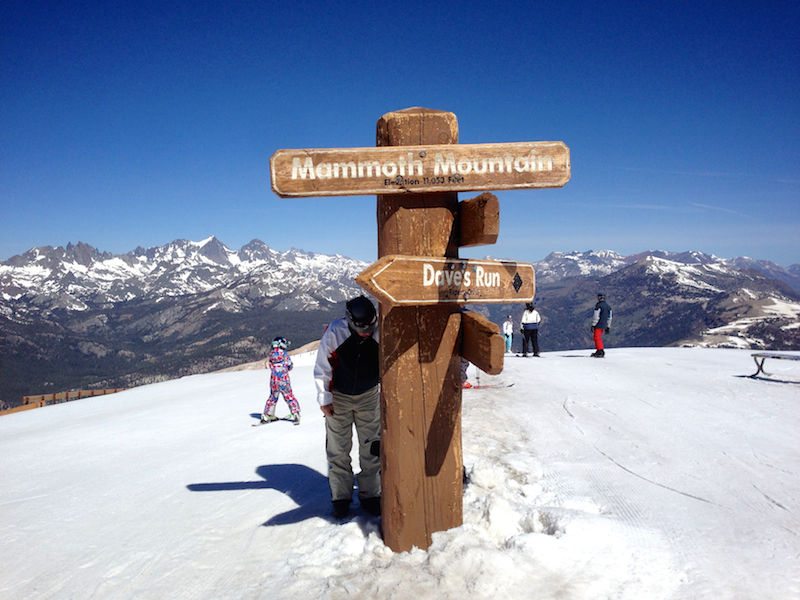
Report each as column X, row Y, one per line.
column 530, row 341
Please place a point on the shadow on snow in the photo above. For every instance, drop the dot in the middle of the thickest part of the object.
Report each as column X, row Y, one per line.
column 305, row 486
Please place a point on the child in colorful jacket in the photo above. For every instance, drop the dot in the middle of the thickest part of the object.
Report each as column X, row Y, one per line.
column 280, row 363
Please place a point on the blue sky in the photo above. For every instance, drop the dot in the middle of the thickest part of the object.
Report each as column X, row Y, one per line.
column 126, row 124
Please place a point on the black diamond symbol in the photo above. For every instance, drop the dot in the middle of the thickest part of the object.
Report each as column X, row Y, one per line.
column 517, row 283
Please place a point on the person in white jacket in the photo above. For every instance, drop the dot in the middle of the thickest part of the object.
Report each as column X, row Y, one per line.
column 529, row 326
column 508, row 332
column 347, row 375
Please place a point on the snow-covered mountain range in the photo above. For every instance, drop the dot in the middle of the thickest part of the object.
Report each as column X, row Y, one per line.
column 80, row 277
column 76, row 317
column 666, row 298
column 560, row 265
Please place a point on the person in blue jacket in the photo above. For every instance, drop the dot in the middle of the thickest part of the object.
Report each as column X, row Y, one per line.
column 601, row 322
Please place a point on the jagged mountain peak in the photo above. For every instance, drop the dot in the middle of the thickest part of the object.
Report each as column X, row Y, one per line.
column 216, row 251
column 585, row 255
column 83, row 254
column 560, row 265
column 81, row 276
column 256, row 250
column 689, row 257
column 49, row 256
column 210, row 250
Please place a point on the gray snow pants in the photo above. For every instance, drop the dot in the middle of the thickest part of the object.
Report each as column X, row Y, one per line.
column 363, row 411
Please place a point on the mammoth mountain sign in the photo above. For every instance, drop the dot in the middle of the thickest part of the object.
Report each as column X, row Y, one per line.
column 419, row 169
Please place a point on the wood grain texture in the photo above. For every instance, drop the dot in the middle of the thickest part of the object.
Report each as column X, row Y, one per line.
column 482, row 344
column 421, row 461
column 424, row 280
column 409, row 169
column 479, row 220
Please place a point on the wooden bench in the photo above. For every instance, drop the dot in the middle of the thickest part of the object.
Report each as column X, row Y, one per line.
column 765, row 355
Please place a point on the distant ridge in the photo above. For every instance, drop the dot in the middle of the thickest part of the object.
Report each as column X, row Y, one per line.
column 262, row 364
column 78, row 318
column 560, row 265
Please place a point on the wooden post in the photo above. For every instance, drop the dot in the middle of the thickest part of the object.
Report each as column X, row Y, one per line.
column 479, row 220
column 482, row 344
column 417, row 170
column 421, row 460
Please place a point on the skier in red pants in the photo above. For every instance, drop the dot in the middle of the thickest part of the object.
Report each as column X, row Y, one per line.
column 601, row 321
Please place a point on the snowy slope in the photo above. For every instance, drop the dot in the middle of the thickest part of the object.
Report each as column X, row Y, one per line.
column 654, row 473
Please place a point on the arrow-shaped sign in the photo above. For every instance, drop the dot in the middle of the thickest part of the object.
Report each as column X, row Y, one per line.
column 418, row 280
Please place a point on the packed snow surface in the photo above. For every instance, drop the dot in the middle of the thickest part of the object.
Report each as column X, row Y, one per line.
column 650, row 474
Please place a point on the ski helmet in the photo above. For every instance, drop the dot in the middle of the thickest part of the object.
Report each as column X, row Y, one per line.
column 280, row 342
column 601, row 296
column 361, row 315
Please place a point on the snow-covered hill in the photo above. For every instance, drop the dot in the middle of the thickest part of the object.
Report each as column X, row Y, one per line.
column 689, row 299
column 737, row 309
column 654, row 473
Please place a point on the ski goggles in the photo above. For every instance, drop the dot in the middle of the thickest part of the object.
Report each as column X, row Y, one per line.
column 364, row 327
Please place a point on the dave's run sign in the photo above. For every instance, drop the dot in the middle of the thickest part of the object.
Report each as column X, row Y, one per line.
column 417, row 280
column 419, row 169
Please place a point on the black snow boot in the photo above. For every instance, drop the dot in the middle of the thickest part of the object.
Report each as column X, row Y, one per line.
column 372, row 505
column 341, row 508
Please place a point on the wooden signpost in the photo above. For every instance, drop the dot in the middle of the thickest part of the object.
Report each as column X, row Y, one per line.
column 422, row 286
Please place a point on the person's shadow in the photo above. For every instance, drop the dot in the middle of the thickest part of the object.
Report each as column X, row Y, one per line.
column 307, row 487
